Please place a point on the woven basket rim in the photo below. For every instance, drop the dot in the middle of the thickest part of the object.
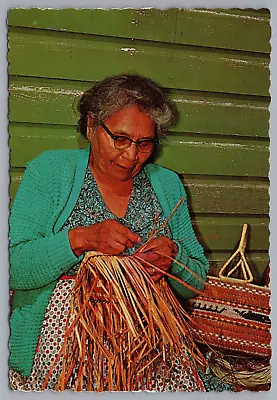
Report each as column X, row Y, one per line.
column 241, row 281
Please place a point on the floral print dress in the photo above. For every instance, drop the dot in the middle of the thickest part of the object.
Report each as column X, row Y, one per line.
column 143, row 214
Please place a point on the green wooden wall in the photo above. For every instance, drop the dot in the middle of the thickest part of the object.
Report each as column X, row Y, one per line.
column 215, row 62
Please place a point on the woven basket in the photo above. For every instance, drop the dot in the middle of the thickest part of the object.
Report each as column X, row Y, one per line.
column 232, row 313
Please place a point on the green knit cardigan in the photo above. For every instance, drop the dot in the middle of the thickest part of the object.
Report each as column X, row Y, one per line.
column 40, row 253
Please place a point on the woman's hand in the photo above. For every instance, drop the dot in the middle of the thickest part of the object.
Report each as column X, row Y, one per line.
column 107, row 237
column 157, row 252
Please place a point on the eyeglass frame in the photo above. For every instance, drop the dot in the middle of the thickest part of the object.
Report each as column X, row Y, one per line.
column 114, row 137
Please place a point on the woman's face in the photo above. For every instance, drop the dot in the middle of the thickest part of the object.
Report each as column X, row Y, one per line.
column 121, row 165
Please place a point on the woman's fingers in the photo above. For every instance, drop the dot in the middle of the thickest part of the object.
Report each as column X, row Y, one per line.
column 161, row 256
column 112, row 249
column 149, row 256
column 151, row 260
column 114, row 237
column 124, row 237
column 157, row 277
column 162, row 244
column 133, row 237
column 159, row 253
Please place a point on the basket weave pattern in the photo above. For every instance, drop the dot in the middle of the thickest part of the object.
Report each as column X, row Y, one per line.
column 232, row 315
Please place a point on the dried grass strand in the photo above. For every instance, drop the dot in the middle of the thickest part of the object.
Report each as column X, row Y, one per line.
column 127, row 324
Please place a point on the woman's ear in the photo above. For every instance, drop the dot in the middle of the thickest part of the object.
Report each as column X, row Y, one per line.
column 90, row 125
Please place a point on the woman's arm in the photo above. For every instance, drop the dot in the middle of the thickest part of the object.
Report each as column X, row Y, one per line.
column 190, row 252
column 38, row 256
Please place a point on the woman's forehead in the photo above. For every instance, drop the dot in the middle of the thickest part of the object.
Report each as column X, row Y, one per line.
column 132, row 122
column 129, row 118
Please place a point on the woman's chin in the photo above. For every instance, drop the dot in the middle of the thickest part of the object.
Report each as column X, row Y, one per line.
column 122, row 173
column 123, row 176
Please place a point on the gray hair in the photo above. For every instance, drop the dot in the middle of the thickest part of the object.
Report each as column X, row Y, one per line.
column 116, row 92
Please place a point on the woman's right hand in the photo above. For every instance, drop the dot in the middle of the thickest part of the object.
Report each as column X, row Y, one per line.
column 107, row 237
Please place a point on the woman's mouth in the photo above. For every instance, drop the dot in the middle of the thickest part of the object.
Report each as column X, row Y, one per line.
column 126, row 167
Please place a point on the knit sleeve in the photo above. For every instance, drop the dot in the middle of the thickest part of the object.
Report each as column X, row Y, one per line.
column 190, row 252
column 38, row 256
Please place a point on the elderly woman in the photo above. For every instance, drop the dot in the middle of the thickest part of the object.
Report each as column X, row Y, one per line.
column 105, row 198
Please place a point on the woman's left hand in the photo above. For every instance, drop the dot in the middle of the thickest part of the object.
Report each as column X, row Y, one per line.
column 157, row 252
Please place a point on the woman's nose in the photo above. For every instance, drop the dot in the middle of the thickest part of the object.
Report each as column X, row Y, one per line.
column 131, row 153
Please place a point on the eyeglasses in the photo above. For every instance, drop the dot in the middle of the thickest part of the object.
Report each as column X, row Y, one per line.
column 123, row 142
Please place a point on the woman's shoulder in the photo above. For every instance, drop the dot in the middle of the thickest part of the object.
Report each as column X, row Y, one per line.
column 56, row 155
column 50, row 161
column 55, row 165
column 166, row 181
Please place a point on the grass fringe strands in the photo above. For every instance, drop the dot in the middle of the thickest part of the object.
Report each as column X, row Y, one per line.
column 121, row 327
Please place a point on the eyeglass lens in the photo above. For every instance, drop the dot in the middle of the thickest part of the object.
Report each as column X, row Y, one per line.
column 144, row 146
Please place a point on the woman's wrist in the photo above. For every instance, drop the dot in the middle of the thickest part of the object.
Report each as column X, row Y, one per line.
column 76, row 240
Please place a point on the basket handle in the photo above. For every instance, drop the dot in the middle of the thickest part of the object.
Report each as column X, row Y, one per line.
column 242, row 263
